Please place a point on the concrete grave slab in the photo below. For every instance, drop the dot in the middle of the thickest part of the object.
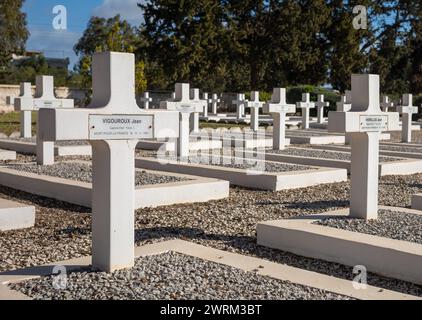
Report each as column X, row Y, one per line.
column 14, row 215
column 386, row 166
column 194, row 189
column 7, row 155
column 28, row 147
column 241, row 262
column 387, row 257
column 248, row 178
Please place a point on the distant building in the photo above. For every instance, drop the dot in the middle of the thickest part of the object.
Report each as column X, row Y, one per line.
column 60, row 63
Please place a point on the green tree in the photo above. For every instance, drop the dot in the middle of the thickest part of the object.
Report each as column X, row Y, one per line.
column 101, row 35
column 185, row 41
column 13, row 31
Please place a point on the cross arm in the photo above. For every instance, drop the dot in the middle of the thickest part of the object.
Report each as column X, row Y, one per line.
column 68, row 124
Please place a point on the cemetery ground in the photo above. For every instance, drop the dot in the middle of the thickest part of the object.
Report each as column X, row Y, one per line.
column 62, row 231
column 10, row 122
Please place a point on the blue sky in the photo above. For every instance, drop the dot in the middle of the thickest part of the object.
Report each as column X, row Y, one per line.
column 55, row 43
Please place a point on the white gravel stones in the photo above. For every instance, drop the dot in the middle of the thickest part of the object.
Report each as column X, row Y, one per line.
column 398, row 226
column 83, row 172
column 315, row 153
column 403, row 148
column 246, row 164
column 62, row 231
column 172, row 276
column 57, row 143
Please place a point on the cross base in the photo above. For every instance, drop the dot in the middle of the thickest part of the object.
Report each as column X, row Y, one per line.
column 364, row 175
column 279, row 130
column 26, row 124
column 113, row 221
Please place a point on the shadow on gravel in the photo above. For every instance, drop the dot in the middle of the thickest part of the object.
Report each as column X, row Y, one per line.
column 329, row 205
column 247, row 245
column 21, row 196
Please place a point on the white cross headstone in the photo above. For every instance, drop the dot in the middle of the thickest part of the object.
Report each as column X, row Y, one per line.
column 240, row 103
column 365, row 121
column 194, row 119
column 25, row 99
column 44, row 98
column 386, row 104
column 207, row 101
column 185, row 106
column 306, row 104
column 278, row 108
column 254, row 104
column 406, row 110
column 321, row 104
column 146, row 100
column 345, row 103
column 113, row 123
column 214, row 103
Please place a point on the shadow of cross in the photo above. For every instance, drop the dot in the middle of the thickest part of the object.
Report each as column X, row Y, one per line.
column 113, row 123
column 43, row 98
column 185, row 106
column 364, row 122
column 278, row 108
column 306, row 104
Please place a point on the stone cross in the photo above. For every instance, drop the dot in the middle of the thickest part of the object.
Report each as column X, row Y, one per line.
column 194, row 118
column 278, row 108
column 186, row 107
column 305, row 105
column 25, row 100
column 240, row 103
column 406, row 110
column 321, row 104
column 113, row 124
column 365, row 121
column 386, row 104
column 207, row 101
column 214, row 103
column 254, row 104
column 44, row 98
column 345, row 103
column 146, row 100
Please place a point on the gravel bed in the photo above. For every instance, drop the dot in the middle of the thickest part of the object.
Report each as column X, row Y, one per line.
column 241, row 163
column 63, row 231
column 316, row 153
column 401, row 148
column 57, row 143
column 393, row 225
column 172, row 276
column 83, row 172
column 302, row 133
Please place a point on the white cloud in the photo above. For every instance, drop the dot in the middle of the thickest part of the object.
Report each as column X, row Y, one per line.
column 128, row 9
